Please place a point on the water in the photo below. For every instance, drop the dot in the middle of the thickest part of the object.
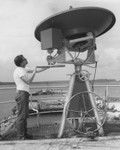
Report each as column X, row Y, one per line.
column 9, row 94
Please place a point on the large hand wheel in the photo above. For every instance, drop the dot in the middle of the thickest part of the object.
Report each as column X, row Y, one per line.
column 85, row 123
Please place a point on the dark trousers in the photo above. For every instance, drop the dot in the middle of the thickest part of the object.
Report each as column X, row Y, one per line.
column 22, row 100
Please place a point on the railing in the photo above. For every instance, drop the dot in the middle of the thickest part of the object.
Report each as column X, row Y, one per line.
column 33, row 89
column 7, row 97
column 103, row 91
column 109, row 90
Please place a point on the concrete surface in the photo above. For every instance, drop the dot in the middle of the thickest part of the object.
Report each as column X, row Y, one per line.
column 100, row 143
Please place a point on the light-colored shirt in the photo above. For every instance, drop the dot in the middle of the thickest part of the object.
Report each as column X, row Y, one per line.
column 20, row 84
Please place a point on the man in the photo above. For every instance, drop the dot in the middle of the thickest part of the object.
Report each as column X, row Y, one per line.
column 22, row 81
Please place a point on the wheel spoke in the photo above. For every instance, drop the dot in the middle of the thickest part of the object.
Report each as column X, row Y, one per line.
column 84, row 116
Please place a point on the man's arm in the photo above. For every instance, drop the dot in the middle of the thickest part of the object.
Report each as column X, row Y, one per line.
column 29, row 80
column 37, row 71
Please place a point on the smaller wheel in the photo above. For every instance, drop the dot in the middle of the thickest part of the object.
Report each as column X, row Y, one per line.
column 84, row 75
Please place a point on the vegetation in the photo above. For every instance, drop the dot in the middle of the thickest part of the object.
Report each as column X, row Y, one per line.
column 6, row 83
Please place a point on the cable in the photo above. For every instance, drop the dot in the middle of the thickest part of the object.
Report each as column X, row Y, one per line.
column 93, row 81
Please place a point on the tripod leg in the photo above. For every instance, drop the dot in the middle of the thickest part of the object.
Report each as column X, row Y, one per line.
column 99, row 124
column 64, row 115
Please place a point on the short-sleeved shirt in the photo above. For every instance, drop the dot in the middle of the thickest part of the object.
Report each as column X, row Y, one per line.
column 20, row 84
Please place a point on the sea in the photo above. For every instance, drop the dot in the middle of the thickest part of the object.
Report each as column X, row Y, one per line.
column 8, row 92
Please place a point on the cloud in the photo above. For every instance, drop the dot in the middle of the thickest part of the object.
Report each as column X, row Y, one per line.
column 109, row 63
column 19, row 19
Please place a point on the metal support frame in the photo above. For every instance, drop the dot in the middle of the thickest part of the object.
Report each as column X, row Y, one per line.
column 72, row 81
column 78, row 69
column 67, row 100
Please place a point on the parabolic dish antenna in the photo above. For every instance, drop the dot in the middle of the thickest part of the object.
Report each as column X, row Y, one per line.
column 75, row 30
column 75, row 23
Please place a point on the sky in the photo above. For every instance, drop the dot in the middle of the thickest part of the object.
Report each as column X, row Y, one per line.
column 18, row 20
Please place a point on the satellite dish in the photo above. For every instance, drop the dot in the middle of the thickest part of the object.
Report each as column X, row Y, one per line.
column 75, row 30
column 75, row 23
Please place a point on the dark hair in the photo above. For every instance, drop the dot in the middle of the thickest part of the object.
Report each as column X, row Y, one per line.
column 18, row 60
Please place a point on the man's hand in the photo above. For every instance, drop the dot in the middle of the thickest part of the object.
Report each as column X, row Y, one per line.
column 35, row 70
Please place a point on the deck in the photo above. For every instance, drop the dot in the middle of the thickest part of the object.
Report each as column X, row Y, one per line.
column 104, row 143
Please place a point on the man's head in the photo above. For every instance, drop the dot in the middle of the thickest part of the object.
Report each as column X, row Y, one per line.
column 20, row 61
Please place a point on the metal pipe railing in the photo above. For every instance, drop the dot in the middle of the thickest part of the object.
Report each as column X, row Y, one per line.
column 106, row 92
column 36, row 87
